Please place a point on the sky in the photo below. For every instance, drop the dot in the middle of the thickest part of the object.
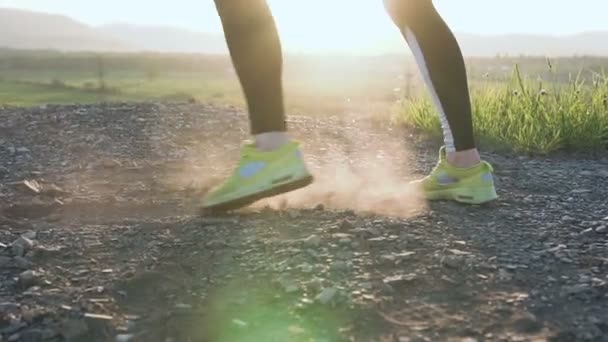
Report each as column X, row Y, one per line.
column 314, row 22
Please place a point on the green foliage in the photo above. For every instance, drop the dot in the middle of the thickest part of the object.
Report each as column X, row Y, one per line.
column 530, row 116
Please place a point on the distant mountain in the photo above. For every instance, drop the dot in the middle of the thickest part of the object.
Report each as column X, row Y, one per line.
column 166, row 39
column 588, row 43
column 32, row 30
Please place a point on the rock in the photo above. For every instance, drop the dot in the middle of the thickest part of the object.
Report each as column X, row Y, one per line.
column 366, row 286
column 8, row 307
column 312, row 241
column 528, row 324
column 21, row 246
column 504, row 275
column 124, row 337
column 48, row 333
column 31, row 335
column 452, row 261
column 602, row 229
column 29, row 278
column 326, row 295
column 239, row 323
column 22, row 263
column 346, row 225
column 29, row 235
column 567, row 218
column 72, row 329
column 5, row 261
column 576, row 289
column 400, row 279
column 339, row 265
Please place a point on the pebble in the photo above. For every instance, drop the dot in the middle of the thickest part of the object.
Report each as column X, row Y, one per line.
column 72, row 329
column 602, row 229
column 400, row 279
column 21, row 246
column 452, row 261
column 124, row 337
column 326, row 295
column 339, row 265
column 29, row 278
column 22, row 263
column 5, row 261
column 312, row 241
column 8, row 307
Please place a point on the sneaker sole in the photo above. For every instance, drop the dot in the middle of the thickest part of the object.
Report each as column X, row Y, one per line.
column 250, row 199
column 468, row 196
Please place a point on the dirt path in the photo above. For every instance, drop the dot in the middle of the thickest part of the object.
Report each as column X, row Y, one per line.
column 104, row 244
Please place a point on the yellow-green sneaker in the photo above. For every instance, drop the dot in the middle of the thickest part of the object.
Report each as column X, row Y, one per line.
column 473, row 185
column 259, row 175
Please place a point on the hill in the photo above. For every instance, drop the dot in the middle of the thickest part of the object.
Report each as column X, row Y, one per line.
column 166, row 39
column 33, row 30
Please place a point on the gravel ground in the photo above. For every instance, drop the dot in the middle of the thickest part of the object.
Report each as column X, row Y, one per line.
column 100, row 239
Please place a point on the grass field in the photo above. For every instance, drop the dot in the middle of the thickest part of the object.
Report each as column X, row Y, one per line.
column 522, row 104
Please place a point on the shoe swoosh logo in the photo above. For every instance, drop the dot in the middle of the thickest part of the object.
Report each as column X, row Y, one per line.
column 251, row 169
column 445, row 180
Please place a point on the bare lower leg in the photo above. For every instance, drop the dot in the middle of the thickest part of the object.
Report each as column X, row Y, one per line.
column 255, row 49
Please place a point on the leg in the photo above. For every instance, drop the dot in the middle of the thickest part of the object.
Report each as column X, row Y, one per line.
column 255, row 49
column 274, row 164
column 460, row 174
column 442, row 65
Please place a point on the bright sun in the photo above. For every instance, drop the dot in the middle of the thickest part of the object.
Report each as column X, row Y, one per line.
column 333, row 25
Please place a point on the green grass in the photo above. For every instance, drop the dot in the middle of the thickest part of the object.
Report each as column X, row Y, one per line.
column 510, row 110
column 529, row 116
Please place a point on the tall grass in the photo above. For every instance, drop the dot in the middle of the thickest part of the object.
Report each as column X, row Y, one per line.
column 526, row 115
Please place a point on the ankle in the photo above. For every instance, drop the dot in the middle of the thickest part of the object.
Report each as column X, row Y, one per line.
column 464, row 159
column 271, row 141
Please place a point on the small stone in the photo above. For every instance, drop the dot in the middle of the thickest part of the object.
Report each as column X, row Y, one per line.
column 48, row 333
column 339, row 265
column 29, row 235
column 124, row 337
column 326, row 295
column 452, row 261
column 346, row 225
column 567, row 218
column 576, row 289
column 504, row 274
column 400, row 279
column 8, row 307
column 239, row 323
column 602, row 229
column 312, row 241
column 5, row 261
column 366, row 286
column 72, row 329
column 182, row 306
column 29, row 278
column 21, row 246
column 319, row 207
column 31, row 335
column 306, row 267
column 22, row 263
